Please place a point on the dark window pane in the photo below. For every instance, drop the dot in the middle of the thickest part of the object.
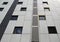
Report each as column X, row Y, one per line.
column 14, row 17
column 45, row 2
column 52, row 30
column 23, row 9
column 1, row 9
column 20, row 2
column 42, row 17
column 17, row 30
column 47, row 8
column 4, row 3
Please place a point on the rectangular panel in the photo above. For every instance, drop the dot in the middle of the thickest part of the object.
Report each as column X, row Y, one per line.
column 35, row 35
column 34, row 4
column 35, row 11
column 35, row 21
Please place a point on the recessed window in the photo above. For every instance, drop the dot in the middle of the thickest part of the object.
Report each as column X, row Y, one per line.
column 42, row 17
column 20, row 2
column 45, row 2
column 47, row 8
column 14, row 17
column 4, row 3
column 18, row 30
column 23, row 9
column 52, row 30
column 1, row 9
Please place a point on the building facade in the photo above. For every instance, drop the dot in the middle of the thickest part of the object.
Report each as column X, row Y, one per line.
column 29, row 20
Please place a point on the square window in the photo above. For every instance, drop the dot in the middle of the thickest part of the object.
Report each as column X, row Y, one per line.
column 18, row 30
column 45, row 2
column 46, row 8
column 14, row 17
column 4, row 3
column 23, row 9
column 42, row 17
column 52, row 30
column 20, row 2
column 1, row 9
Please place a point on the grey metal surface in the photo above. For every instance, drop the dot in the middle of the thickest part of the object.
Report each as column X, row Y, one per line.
column 35, row 21
column 35, row 34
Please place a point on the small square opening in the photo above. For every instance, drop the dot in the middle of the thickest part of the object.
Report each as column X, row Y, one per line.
column 1, row 9
column 14, row 17
column 4, row 3
column 42, row 17
column 18, row 30
column 20, row 2
column 46, row 8
column 23, row 9
column 45, row 2
column 52, row 30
